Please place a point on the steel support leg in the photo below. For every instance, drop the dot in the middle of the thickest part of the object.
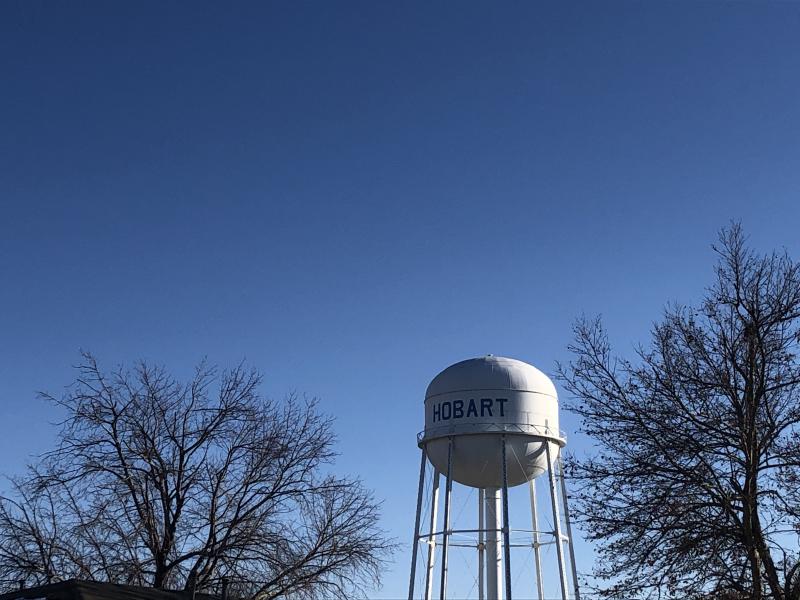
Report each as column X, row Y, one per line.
column 537, row 549
column 571, row 544
column 494, row 553
column 431, row 537
column 415, row 548
column 481, row 545
column 551, row 466
column 446, row 528
column 506, row 529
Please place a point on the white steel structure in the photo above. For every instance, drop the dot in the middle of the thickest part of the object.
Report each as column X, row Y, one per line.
column 491, row 423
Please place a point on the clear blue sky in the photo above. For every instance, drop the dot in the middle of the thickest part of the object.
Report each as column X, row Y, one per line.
column 352, row 196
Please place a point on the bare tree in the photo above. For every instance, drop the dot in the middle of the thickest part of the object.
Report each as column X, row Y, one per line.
column 694, row 490
column 170, row 484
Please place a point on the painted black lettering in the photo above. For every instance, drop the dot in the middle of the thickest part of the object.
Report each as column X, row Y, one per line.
column 446, row 411
column 458, row 409
column 501, row 401
column 486, row 406
column 437, row 413
column 471, row 410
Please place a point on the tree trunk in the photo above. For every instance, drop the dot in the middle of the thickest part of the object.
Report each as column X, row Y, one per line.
column 771, row 572
column 160, row 576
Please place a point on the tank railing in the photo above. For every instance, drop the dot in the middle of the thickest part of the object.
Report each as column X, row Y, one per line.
column 470, row 428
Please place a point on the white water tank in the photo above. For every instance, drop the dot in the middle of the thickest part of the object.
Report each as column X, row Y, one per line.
column 478, row 400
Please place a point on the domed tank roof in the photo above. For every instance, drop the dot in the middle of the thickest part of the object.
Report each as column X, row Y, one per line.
column 491, row 373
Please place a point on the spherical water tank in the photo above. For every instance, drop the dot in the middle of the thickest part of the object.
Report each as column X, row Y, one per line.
column 475, row 402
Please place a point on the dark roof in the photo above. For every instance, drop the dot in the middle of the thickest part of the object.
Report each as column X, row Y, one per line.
column 75, row 589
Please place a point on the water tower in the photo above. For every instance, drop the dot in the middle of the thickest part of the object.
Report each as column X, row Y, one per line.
column 491, row 424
